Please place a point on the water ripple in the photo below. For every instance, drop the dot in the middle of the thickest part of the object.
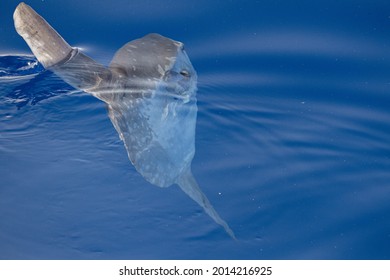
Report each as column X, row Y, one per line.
column 296, row 42
column 292, row 137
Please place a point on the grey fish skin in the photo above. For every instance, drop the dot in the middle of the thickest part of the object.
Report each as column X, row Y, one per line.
column 46, row 44
column 55, row 54
column 150, row 91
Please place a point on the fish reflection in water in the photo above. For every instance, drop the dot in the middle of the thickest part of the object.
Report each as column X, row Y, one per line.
column 150, row 91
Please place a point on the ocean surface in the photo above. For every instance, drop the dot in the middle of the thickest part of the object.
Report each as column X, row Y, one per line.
column 292, row 135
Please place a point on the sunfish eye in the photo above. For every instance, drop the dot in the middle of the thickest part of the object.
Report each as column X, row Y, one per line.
column 185, row 73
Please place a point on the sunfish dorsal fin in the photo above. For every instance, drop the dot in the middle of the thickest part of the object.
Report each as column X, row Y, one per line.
column 46, row 44
column 55, row 54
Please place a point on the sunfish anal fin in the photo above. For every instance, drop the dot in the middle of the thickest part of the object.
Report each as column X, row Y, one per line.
column 189, row 185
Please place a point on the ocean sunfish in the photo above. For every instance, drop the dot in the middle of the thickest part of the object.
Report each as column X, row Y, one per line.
column 150, row 91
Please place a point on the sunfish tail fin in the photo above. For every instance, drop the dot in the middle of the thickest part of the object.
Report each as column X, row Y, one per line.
column 189, row 185
column 55, row 54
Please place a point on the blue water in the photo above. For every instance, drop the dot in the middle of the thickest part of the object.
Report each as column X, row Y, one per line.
column 292, row 142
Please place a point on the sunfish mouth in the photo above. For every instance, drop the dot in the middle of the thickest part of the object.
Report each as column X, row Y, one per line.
column 178, row 92
column 185, row 96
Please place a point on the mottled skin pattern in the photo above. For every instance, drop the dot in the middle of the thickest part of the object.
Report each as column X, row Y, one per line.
column 150, row 92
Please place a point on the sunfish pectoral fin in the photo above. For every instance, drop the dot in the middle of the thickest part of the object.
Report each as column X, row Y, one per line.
column 55, row 54
column 189, row 185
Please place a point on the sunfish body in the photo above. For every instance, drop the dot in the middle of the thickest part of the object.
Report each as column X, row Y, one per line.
column 150, row 92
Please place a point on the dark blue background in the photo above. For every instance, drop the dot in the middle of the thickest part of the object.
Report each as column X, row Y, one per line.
column 293, row 136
